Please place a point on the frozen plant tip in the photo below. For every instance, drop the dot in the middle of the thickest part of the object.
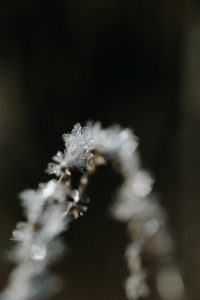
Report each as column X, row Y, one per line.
column 51, row 207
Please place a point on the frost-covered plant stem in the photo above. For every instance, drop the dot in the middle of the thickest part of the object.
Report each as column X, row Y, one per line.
column 51, row 207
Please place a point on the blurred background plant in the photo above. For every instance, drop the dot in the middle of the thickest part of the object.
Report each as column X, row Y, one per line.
column 130, row 62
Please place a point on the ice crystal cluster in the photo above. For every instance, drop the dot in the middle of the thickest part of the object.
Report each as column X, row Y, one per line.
column 51, row 208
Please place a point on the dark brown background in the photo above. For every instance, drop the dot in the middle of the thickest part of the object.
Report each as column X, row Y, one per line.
column 132, row 62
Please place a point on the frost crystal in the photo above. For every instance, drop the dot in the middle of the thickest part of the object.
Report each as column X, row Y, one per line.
column 136, row 286
column 49, row 209
column 78, row 146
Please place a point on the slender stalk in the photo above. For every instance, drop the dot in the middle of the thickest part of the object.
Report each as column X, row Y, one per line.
column 51, row 207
